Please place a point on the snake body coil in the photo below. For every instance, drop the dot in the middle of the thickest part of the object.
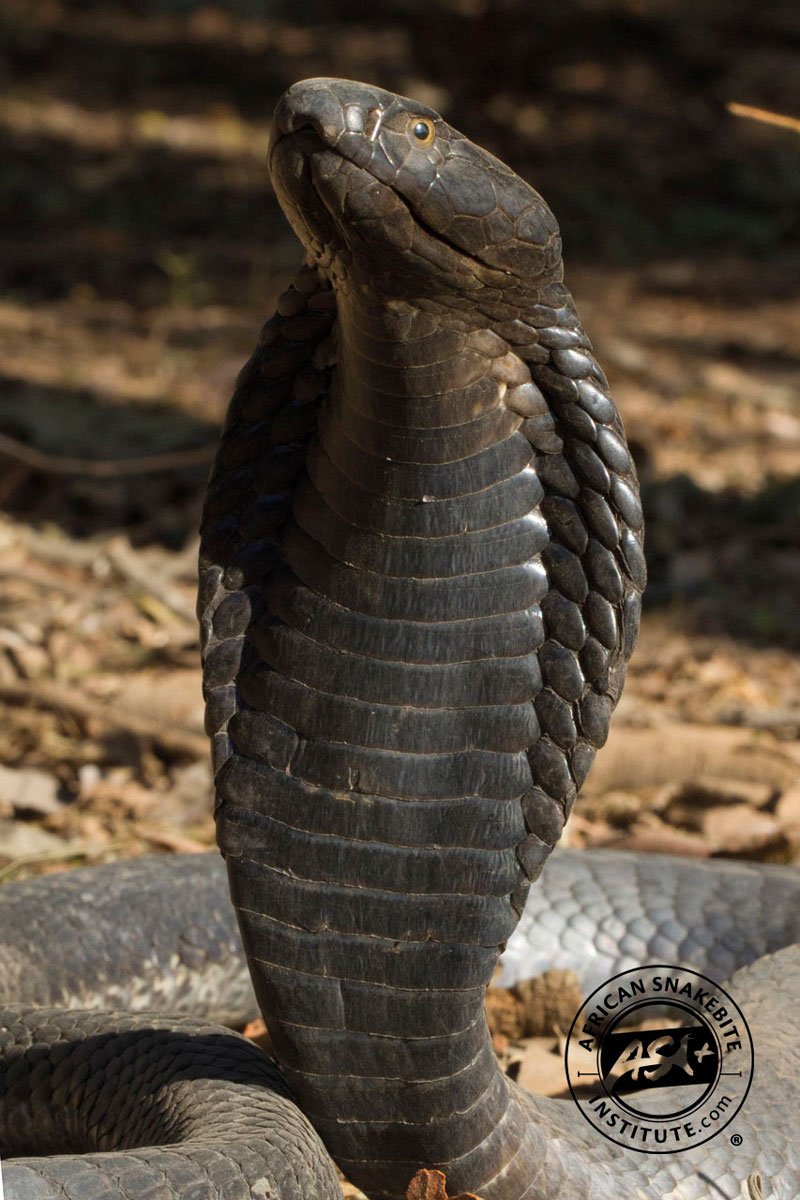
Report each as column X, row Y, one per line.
column 421, row 570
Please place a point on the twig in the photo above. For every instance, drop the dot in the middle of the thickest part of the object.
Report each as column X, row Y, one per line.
column 171, row 841
column 137, row 573
column 764, row 115
column 102, row 468
column 59, row 854
column 43, row 695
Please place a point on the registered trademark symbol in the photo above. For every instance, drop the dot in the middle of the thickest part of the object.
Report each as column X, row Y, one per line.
column 736, row 1139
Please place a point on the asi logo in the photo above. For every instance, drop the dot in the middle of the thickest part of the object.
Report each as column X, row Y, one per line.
column 659, row 1059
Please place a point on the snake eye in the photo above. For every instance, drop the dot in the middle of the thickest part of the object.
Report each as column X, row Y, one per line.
column 422, row 130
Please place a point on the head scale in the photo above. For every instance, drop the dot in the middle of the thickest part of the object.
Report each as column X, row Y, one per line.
column 367, row 176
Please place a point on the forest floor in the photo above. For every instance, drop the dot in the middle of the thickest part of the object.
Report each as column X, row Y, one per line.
column 142, row 266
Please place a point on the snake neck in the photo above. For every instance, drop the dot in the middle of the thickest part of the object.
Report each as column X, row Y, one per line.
column 372, row 807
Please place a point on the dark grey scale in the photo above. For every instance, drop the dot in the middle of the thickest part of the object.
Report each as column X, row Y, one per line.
column 613, row 451
column 388, row 1094
column 264, row 516
column 577, row 422
column 409, row 776
column 235, row 614
column 602, row 620
column 594, row 659
column 631, row 615
column 262, row 737
column 483, row 509
column 572, row 363
column 436, row 411
column 537, row 316
column 589, row 466
column 556, row 475
column 550, row 770
column 369, row 958
column 443, row 375
column 476, row 822
column 436, row 345
column 220, row 706
column 364, row 1059
column 595, row 715
column 292, row 424
column 566, row 523
column 500, row 635
column 627, row 504
column 251, row 390
column 594, row 400
column 502, row 681
column 559, row 389
column 561, row 669
column 475, row 1129
column 460, row 1132
column 565, row 572
column 222, row 662
column 599, row 518
column 246, row 440
column 308, row 385
column 412, row 445
column 527, row 400
column 367, row 911
column 227, row 492
column 441, row 557
column 278, row 467
column 306, row 327
column 510, row 589
column 326, row 1003
column 223, row 538
column 559, row 337
column 287, row 357
column 543, row 814
column 556, row 718
column 633, row 557
column 209, row 591
column 252, row 563
column 541, row 433
column 319, row 715
column 388, row 868
column 602, row 571
column 221, row 750
column 564, row 620
column 409, row 481
column 291, row 302
column 495, row 1124
column 580, row 762
column 263, row 397
column 533, row 853
column 521, row 333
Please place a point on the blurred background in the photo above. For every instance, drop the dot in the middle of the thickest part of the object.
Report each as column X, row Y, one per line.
column 141, row 249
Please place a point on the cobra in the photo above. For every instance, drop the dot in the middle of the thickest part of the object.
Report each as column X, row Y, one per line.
column 420, row 583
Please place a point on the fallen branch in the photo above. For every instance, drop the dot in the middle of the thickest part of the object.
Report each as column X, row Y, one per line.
column 764, row 115
column 69, row 851
column 104, row 468
column 49, row 696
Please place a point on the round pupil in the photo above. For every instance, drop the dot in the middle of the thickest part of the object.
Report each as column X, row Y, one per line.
column 422, row 130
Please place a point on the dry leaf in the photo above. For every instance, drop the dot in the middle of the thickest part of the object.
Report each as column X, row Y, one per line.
column 432, row 1185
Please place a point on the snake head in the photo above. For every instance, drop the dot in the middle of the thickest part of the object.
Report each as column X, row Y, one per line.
column 379, row 186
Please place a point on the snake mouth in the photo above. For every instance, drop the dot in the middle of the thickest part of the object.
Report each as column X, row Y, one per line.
column 298, row 156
